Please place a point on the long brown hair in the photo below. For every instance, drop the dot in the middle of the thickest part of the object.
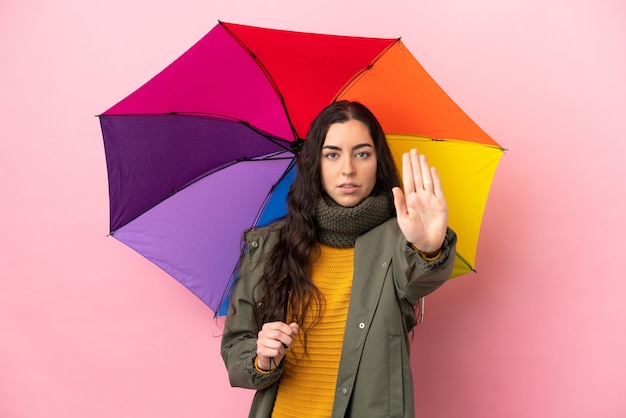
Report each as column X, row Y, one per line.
column 286, row 280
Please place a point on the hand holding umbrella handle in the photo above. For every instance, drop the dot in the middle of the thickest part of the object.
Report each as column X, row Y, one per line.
column 421, row 208
column 273, row 341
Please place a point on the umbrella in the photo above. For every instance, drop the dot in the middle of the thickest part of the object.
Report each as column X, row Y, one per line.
column 206, row 148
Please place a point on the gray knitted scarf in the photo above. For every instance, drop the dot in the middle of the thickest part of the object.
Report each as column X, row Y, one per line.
column 340, row 226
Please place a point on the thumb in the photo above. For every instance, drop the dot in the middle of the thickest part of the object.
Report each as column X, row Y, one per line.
column 399, row 201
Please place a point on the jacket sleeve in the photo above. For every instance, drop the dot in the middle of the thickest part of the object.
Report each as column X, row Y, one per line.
column 238, row 346
column 416, row 277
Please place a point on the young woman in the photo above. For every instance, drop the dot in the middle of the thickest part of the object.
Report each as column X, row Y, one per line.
column 320, row 316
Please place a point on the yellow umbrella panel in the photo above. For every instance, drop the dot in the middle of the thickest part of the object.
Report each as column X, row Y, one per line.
column 466, row 170
column 415, row 112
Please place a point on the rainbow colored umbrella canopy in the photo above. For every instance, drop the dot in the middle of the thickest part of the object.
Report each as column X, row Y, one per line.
column 206, row 148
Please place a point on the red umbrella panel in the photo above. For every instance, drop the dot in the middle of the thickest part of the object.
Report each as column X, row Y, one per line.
column 205, row 149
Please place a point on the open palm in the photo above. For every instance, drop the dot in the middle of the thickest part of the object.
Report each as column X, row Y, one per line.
column 421, row 209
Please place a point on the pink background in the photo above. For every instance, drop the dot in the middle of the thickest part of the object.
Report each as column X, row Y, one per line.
column 90, row 329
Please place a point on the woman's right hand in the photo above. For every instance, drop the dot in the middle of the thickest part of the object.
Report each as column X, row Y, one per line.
column 272, row 343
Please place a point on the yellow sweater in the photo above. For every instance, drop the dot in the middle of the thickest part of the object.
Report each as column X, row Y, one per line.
column 307, row 386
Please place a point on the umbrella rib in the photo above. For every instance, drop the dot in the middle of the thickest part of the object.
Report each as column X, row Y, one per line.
column 360, row 74
column 428, row 138
column 234, row 276
column 267, row 157
column 467, row 263
column 275, row 155
column 267, row 74
column 272, row 138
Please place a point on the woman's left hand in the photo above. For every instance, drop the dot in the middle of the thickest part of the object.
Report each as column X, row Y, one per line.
column 421, row 209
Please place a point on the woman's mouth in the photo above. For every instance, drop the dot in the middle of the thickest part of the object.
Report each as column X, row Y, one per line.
column 348, row 188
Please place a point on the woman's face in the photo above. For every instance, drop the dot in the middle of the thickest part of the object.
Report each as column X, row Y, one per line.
column 348, row 163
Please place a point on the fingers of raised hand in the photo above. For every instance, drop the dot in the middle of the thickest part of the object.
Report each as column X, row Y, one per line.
column 407, row 173
column 416, row 173
column 437, row 188
column 427, row 179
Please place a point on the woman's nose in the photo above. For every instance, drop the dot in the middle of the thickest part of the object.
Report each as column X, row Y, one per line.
column 347, row 167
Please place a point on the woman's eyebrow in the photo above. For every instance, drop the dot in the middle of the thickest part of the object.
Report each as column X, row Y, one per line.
column 363, row 145
column 357, row 146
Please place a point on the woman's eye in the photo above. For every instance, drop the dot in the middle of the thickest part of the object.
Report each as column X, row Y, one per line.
column 362, row 154
column 332, row 155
